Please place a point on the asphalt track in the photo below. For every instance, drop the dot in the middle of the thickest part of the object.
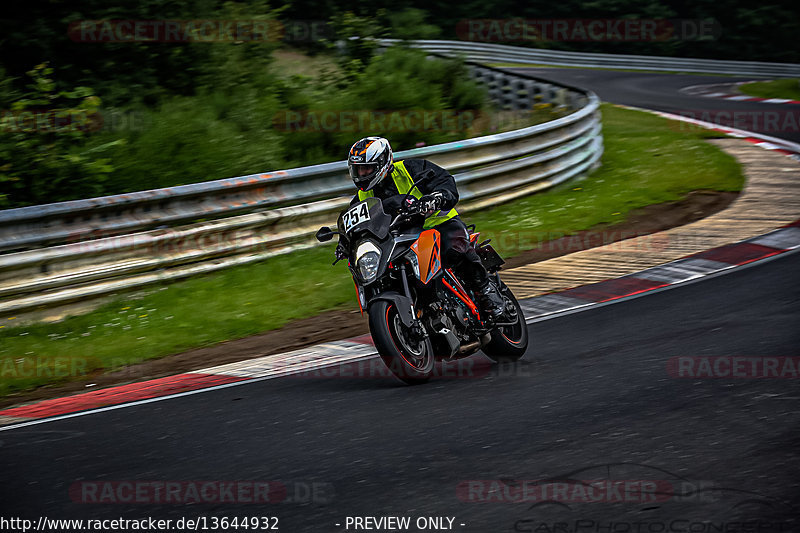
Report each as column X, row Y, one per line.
column 592, row 399
column 661, row 92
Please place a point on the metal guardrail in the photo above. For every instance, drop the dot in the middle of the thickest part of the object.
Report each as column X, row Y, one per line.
column 57, row 254
column 498, row 53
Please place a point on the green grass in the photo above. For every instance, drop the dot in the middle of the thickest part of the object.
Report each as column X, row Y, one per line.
column 647, row 160
column 786, row 88
column 236, row 303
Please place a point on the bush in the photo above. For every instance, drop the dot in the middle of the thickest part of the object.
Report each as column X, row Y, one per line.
column 44, row 155
column 409, row 24
column 228, row 128
column 398, row 80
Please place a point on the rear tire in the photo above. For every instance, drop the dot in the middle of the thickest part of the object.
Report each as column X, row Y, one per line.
column 508, row 343
column 409, row 362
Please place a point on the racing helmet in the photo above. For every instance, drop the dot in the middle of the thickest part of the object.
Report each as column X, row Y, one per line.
column 369, row 161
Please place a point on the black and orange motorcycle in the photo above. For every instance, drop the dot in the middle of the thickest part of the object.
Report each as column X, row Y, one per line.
column 419, row 310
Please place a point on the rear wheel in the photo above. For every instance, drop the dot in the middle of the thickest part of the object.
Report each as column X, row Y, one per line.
column 409, row 360
column 509, row 343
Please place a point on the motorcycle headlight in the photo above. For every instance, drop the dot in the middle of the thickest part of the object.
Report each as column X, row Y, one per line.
column 368, row 258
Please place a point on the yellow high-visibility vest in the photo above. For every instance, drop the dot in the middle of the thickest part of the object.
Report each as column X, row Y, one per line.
column 403, row 182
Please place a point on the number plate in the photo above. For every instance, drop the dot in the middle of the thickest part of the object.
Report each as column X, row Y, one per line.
column 354, row 216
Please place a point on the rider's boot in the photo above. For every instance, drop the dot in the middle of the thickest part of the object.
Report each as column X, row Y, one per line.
column 491, row 301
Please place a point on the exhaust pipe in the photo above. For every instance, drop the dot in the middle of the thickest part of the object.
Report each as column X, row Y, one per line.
column 469, row 347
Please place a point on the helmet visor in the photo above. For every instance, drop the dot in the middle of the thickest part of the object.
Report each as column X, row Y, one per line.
column 363, row 174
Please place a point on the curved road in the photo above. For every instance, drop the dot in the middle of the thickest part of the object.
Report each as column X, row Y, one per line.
column 592, row 400
column 661, row 92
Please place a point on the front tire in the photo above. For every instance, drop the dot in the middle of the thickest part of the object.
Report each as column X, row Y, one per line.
column 509, row 343
column 410, row 362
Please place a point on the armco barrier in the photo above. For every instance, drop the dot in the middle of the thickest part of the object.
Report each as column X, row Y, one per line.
column 494, row 53
column 56, row 254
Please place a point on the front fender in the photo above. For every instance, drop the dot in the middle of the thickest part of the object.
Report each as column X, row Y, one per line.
column 401, row 302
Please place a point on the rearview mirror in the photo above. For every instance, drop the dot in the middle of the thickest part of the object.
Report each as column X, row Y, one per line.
column 324, row 234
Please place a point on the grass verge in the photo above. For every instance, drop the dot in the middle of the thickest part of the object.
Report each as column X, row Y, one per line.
column 788, row 88
column 647, row 160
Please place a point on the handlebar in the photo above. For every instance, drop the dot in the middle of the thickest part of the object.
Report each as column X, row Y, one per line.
column 426, row 175
column 401, row 215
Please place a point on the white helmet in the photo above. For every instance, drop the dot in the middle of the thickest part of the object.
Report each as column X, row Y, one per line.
column 369, row 161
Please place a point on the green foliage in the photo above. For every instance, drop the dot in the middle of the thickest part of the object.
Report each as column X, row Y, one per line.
column 200, row 138
column 227, row 128
column 355, row 40
column 43, row 148
column 38, row 31
column 409, row 23
column 399, row 80
column 230, row 130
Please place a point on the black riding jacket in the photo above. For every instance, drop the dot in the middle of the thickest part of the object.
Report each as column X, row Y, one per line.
column 441, row 182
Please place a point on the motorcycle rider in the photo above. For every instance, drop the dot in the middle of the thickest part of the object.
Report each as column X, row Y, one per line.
column 370, row 162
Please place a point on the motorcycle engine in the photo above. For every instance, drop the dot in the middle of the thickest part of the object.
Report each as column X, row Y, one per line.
column 460, row 314
column 448, row 340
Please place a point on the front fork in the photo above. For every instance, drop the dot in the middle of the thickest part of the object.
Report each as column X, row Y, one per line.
column 417, row 329
column 404, row 302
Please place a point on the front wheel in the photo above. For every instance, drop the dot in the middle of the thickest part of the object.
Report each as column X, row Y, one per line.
column 409, row 360
column 508, row 343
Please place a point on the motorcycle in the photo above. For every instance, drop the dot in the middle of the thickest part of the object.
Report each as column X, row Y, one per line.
column 419, row 310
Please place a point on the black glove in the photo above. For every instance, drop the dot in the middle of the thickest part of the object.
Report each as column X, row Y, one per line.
column 430, row 203
column 410, row 205
column 341, row 251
